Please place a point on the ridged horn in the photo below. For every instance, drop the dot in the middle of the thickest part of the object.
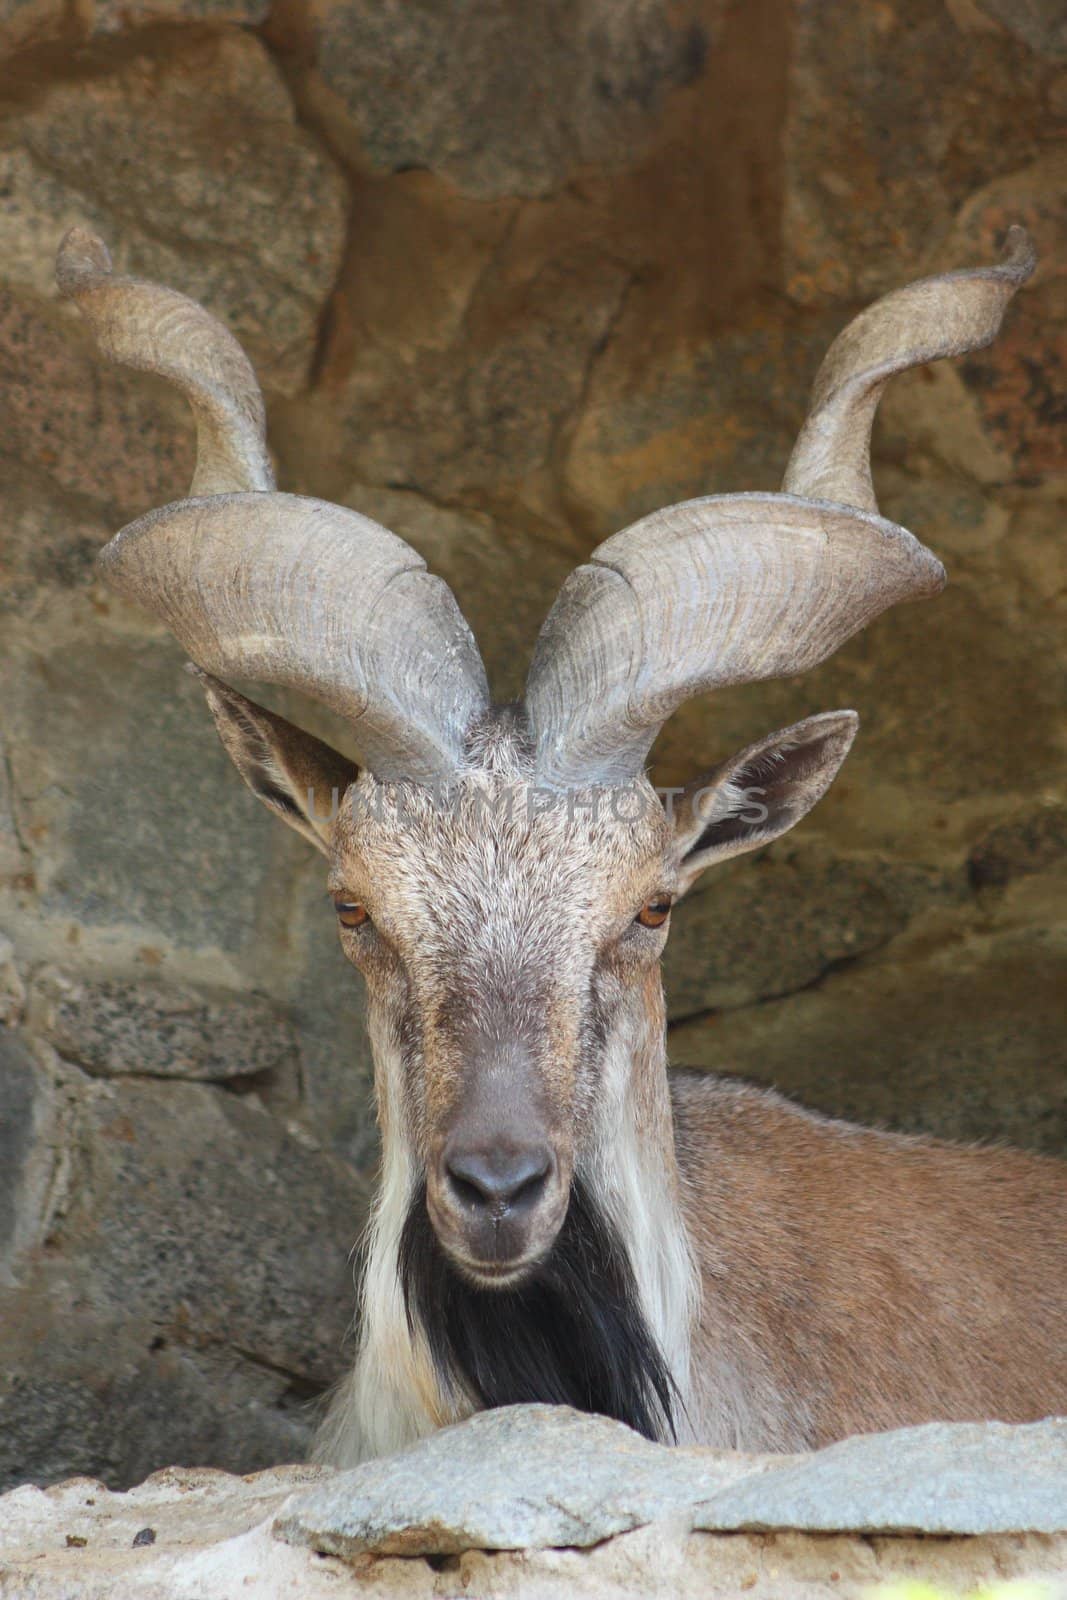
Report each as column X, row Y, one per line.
column 925, row 321
column 155, row 329
column 743, row 587
column 276, row 587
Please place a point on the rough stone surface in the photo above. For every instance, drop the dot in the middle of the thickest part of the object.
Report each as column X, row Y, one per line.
column 506, row 100
column 198, row 1535
column 235, row 1228
column 12, row 988
column 939, row 1479
column 520, row 1478
column 879, row 157
column 1038, row 23
column 80, row 428
column 19, row 1129
column 752, row 935
column 966, row 1039
column 512, row 276
column 530, row 1476
column 115, row 16
column 160, row 1030
column 28, row 22
column 1015, row 849
column 192, row 165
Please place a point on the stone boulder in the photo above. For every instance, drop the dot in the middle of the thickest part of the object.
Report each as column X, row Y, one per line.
column 527, row 1477
column 199, row 1247
column 505, row 100
column 539, row 1501
column 192, row 166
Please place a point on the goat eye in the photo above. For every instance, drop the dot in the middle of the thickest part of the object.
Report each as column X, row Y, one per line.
column 654, row 913
column 350, row 914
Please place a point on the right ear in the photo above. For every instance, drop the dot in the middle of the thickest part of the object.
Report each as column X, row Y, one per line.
column 759, row 794
column 298, row 777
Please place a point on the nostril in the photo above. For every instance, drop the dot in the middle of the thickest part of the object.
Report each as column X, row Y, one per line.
column 497, row 1180
column 467, row 1191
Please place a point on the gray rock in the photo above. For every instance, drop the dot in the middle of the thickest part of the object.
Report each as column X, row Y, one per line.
column 212, row 1539
column 18, row 1095
column 710, row 417
column 781, row 921
column 116, row 1399
column 78, row 434
column 944, row 1478
column 24, row 23
column 204, row 1200
column 963, row 1042
column 481, row 420
column 204, row 1247
column 1031, row 843
column 133, row 812
column 531, row 1477
column 1040, row 24
column 13, row 856
column 51, row 539
column 861, row 208
column 160, row 1030
column 118, row 16
column 507, row 99
column 523, row 1477
column 234, row 203
column 327, row 1003
column 12, row 988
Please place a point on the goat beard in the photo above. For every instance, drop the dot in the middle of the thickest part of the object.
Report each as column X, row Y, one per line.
column 571, row 1334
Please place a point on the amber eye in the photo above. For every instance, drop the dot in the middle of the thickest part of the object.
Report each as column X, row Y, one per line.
column 654, row 913
column 350, row 914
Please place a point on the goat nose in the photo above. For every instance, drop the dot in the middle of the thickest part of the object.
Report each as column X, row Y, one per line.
column 499, row 1181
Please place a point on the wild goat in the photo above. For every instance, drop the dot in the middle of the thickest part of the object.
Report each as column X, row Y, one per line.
column 558, row 1219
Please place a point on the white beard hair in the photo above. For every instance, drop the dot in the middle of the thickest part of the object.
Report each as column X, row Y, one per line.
column 392, row 1396
column 630, row 1181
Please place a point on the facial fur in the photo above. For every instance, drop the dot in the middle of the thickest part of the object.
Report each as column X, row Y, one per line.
column 500, row 944
column 508, row 981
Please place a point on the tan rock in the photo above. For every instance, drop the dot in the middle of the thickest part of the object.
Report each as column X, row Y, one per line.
column 199, row 1535
column 897, row 112
column 234, row 203
column 508, row 101
column 959, row 1037
column 24, row 23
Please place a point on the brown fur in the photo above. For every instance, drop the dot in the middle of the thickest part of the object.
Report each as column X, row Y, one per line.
column 864, row 1280
column 806, row 1279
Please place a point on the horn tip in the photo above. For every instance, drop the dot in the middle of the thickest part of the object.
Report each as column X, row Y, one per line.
column 1019, row 257
column 935, row 575
column 82, row 258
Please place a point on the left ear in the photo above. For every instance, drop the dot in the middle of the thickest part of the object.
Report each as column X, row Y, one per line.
column 291, row 771
column 758, row 795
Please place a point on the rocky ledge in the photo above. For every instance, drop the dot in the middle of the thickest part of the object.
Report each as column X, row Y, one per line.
column 543, row 1501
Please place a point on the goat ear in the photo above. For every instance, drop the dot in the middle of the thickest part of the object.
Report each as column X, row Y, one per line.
column 758, row 795
column 295, row 775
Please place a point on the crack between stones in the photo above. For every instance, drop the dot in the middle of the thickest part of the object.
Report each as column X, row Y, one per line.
column 238, row 1083
column 573, row 511
column 9, row 780
column 300, row 1387
column 839, row 964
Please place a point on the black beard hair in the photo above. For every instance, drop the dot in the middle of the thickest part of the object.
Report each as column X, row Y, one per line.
column 572, row 1334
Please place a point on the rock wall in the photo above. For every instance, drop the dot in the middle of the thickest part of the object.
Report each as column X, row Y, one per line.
column 511, row 276
column 569, row 1505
